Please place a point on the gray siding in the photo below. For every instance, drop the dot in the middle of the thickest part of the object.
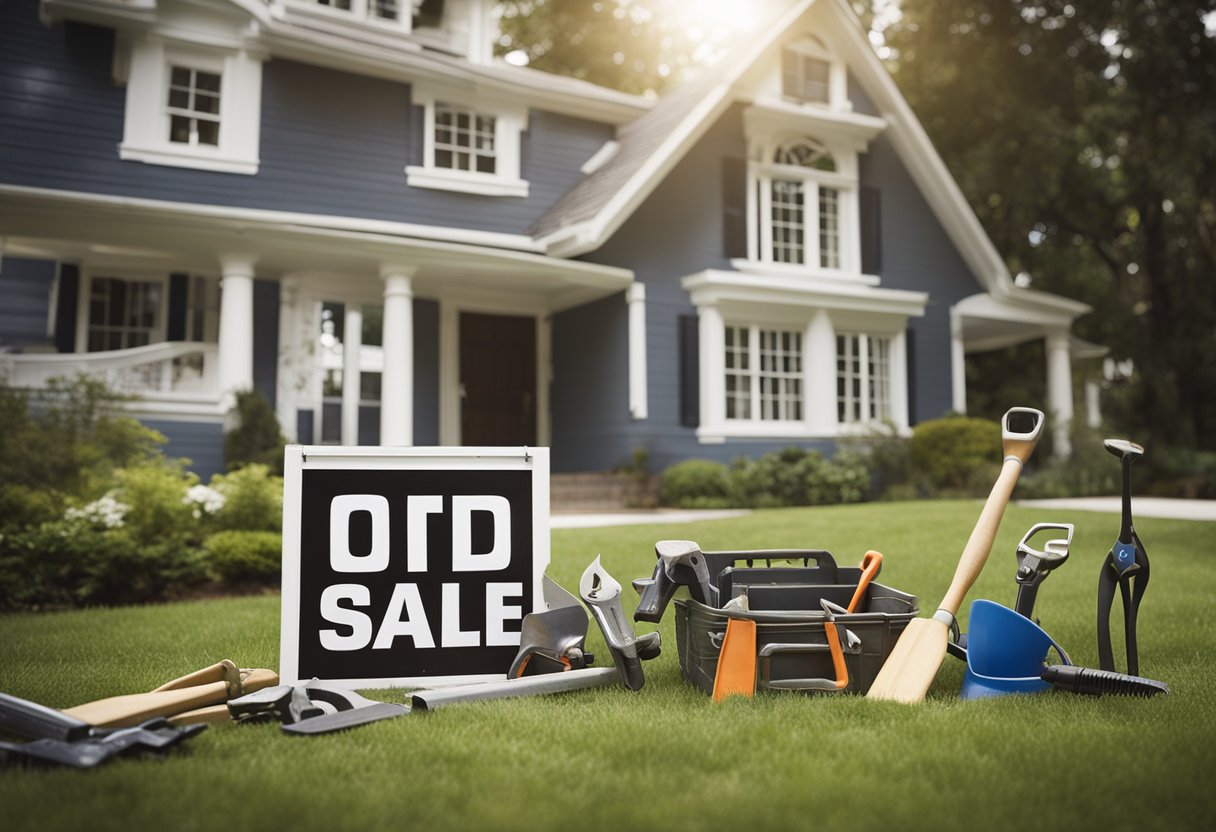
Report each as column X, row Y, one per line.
column 266, row 338
column 25, row 292
column 331, row 142
column 200, row 442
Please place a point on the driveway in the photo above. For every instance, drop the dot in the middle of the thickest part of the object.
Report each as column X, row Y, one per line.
column 1162, row 507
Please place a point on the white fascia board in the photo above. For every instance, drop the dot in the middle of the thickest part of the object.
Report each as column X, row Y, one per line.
column 1022, row 306
column 714, row 286
column 852, row 130
column 483, row 239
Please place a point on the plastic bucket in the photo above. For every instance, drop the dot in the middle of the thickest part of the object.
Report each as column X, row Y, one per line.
column 1006, row 653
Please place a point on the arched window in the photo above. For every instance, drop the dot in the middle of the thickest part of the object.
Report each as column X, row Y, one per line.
column 798, row 198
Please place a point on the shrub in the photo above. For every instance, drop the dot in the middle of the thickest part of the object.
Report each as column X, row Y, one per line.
column 80, row 561
column 157, row 508
column 842, row 479
column 252, row 499
column 256, row 438
column 886, row 455
column 956, row 452
column 240, row 556
column 696, row 483
column 21, row 506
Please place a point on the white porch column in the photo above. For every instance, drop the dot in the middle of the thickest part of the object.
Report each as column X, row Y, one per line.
column 397, row 380
column 235, row 358
column 1059, row 390
column 1093, row 404
column 352, row 345
column 635, row 296
column 712, row 346
column 898, row 370
column 819, row 373
column 958, row 364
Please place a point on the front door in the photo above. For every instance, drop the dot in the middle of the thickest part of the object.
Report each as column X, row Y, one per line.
column 497, row 380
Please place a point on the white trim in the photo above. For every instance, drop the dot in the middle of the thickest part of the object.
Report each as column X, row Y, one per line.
column 601, row 157
column 423, row 233
column 714, row 286
column 146, row 118
column 467, row 182
column 635, row 298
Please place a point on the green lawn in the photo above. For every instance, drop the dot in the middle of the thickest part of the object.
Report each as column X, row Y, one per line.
column 667, row 757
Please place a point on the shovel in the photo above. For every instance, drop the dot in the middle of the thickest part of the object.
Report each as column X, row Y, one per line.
column 910, row 669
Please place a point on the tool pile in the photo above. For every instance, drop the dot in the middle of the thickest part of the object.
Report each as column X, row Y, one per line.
column 805, row 625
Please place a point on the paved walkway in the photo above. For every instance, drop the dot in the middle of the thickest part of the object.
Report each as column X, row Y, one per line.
column 1163, row 507
column 1141, row 507
column 641, row 516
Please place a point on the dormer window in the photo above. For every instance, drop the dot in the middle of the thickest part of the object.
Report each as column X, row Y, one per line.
column 405, row 13
column 810, row 74
column 470, row 144
column 194, row 106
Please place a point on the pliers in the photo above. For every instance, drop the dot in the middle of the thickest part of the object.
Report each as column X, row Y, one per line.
column 1126, row 565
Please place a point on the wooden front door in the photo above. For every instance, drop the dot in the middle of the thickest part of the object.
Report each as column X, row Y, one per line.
column 497, row 380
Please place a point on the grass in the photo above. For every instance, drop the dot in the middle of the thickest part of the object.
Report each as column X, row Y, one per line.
column 667, row 757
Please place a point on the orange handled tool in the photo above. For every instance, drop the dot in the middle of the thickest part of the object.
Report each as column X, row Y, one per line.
column 871, row 565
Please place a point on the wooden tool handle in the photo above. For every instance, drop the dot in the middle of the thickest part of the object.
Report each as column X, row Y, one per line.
column 979, row 545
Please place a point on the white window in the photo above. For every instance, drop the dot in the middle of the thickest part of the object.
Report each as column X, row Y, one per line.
column 190, row 106
column 763, row 374
column 797, row 210
column 863, row 378
column 375, row 11
column 124, row 313
column 194, row 106
column 811, row 74
column 469, row 145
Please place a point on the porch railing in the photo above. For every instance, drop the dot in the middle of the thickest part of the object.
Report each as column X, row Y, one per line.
column 175, row 373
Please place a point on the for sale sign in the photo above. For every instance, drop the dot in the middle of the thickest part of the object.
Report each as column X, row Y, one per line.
column 410, row 566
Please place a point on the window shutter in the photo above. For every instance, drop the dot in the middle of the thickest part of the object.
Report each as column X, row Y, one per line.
column 65, row 307
column 734, row 207
column 870, row 216
column 690, row 372
column 179, row 292
column 910, row 349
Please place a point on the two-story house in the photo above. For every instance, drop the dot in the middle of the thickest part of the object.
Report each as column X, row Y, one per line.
column 351, row 206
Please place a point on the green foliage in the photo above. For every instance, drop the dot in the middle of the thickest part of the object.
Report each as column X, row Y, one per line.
column 956, row 453
column 256, row 439
column 68, row 440
column 696, row 483
column 1097, row 187
column 789, row 477
column 253, row 500
column 21, row 506
column 243, row 556
column 157, row 508
column 81, row 562
column 886, row 455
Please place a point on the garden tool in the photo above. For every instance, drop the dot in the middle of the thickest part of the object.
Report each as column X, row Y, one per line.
column 552, row 640
column 736, row 671
column 1034, row 565
column 1005, row 653
column 1098, row 682
column 910, row 669
column 1126, row 565
column 602, row 595
column 680, row 563
column 871, row 565
column 210, row 686
column 63, row 739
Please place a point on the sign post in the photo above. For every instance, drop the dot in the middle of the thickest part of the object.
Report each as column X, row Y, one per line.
column 410, row 566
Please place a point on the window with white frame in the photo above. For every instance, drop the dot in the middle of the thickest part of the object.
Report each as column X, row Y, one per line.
column 192, row 106
column 798, row 195
column 763, row 374
column 811, row 74
column 123, row 313
column 863, row 378
column 469, row 145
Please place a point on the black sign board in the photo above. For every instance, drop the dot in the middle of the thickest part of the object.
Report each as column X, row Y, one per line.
column 410, row 566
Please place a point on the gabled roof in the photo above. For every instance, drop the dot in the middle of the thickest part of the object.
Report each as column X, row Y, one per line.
column 587, row 216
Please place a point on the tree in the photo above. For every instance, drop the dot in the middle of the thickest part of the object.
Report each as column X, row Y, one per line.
column 1084, row 135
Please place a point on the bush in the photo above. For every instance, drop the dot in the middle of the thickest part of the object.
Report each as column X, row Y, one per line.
column 82, row 561
column 842, row 479
column 158, row 510
column 886, row 455
column 241, row 556
column 256, row 439
column 956, row 453
column 696, row 483
column 252, row 500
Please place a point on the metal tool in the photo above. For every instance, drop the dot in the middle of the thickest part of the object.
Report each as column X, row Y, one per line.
column 1098, row 682
column 1034, row 565
column 312, row 708
column 1126, row 565
column 61, row 738
column 602, row 595
column 552, row 640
